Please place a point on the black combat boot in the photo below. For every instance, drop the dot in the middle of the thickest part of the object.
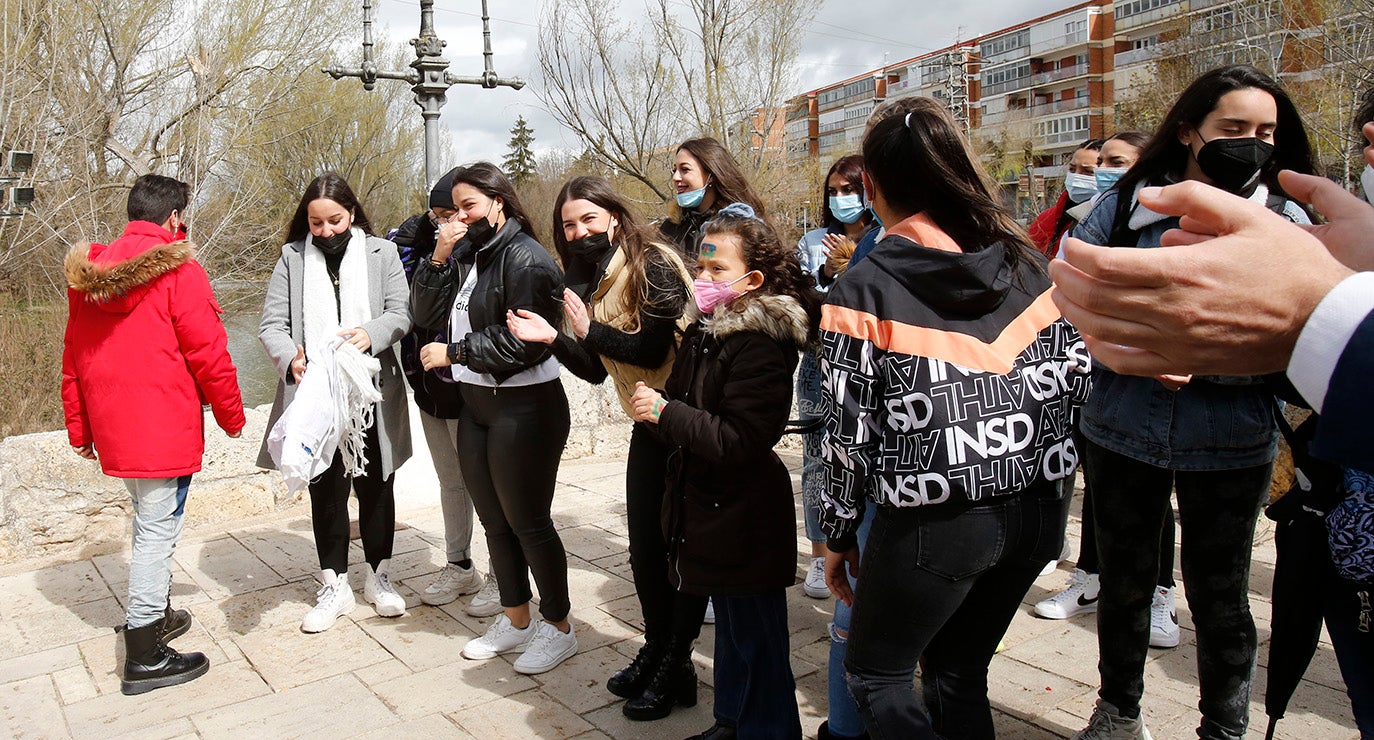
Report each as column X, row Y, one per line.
column 629, row 682
column 149, row 664
column 673, row 682
column 175, row 622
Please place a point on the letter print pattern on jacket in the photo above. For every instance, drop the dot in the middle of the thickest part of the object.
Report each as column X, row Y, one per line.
column 924, row 415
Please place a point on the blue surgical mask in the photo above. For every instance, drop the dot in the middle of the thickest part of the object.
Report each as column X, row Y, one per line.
column 1367, row 182
column 1080, row 187
column 1107, row 177
column 846, row 208
column 691, row 198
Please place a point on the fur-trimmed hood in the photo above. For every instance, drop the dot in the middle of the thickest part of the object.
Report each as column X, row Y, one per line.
column 115, row 284
column 781, row 317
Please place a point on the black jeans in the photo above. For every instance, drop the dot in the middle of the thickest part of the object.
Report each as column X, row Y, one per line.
column 941, row 583
column 668, row 613
column 755, row 691
column 376, row 510
column 509, row 443
column 1087, row 555
column 1217, row 511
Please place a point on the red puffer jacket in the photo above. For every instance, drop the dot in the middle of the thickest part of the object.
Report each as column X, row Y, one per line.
column 144, row 349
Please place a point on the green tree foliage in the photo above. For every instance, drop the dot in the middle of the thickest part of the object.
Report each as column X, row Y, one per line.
column 519, row 163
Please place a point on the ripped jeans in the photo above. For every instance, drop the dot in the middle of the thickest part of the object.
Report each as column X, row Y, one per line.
column 844, row 715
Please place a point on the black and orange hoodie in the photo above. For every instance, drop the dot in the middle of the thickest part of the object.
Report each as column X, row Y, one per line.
column 948, row 378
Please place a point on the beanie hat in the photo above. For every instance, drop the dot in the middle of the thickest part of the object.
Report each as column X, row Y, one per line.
column 442, row 194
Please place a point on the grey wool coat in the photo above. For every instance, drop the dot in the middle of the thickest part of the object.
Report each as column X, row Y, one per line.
column 389, row 299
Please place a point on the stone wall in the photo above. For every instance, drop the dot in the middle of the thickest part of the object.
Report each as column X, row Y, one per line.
column 54, row 504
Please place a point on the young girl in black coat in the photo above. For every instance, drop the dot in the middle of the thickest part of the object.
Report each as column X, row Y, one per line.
column 728, row 509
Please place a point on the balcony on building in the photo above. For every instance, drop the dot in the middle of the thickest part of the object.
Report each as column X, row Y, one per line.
column 1062, row 43
column 1059, row 75
column 1136, row 13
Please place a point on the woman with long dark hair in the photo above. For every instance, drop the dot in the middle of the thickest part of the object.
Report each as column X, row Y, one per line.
column 1211, row 439
column 514, row 421
column 705, row 178
column 637, row 290
column 949, row 380
column 335, row 278
column 845, row 219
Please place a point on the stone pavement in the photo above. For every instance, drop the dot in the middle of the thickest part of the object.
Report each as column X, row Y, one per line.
column 249, row 583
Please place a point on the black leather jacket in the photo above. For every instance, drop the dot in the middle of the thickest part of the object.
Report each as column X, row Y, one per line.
column 513, row 272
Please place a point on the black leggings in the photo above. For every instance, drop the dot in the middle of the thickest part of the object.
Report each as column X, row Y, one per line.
column 376, row 510
column 667, row 612
column 509, row 443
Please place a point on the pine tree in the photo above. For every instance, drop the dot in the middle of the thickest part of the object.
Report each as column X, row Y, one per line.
column 519, row 163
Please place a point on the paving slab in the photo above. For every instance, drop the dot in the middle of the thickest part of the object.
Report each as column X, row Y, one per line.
column 333, row 707
column 248, row 584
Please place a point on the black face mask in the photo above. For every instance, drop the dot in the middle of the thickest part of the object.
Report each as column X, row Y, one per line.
column 591, row 248
column 335, row 244
column 1234, row 164
column 481, row 230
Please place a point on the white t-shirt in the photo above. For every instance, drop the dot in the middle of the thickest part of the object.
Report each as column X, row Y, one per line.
column 460, row 325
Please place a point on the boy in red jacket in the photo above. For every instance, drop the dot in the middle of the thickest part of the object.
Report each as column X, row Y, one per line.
column 144, row 349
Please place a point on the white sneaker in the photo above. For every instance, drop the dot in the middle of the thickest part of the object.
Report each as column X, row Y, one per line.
column 814, row 585
column 1106, row 724
column 500, row 637
column 333, row 600
column 1053, row 565
column 453, row 581
column 549, row 647
column 487, row 602
column 710, row 617
column 1163, row 619
column 1079, row 597
column 379, row 592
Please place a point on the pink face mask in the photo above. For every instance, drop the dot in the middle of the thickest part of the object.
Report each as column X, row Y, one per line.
column 709, row 294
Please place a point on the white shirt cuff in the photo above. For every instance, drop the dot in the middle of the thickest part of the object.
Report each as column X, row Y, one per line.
column 1325, row 335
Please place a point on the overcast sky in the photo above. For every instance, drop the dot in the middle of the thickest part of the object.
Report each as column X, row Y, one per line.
column 845, row 39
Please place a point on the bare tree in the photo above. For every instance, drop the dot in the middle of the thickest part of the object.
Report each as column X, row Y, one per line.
column 631, row 90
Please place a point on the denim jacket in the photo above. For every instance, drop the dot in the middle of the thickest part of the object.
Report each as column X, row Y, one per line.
column 1213, row 422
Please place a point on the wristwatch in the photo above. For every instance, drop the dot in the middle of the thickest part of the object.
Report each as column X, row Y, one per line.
column 457, row 352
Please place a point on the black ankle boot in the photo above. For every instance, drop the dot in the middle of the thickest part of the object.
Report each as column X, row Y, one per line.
column 175, row 622
column 629, row 682
column 673, row 682
column 149, row 664
column 717, row 732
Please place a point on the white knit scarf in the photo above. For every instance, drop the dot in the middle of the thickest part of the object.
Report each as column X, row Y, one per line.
column 357, row 393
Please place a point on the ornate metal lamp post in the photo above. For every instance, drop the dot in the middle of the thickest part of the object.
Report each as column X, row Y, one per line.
column 428, row 76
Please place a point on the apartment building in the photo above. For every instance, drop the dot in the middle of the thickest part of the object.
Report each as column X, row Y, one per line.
column 1042, row 86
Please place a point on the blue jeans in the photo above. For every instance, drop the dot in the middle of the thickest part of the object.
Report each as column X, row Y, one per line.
column 1216, row 511
column 755, row 691
column 813, row 468
column 940, row 584
column 843, row 716
column 158, row 507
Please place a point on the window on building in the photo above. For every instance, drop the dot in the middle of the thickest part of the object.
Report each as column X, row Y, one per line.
column 1136, row 7
column 1005, row 43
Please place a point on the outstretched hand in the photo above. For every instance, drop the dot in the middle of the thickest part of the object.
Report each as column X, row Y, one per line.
column 1229, row 295
column 578, row 316
column 528, row 326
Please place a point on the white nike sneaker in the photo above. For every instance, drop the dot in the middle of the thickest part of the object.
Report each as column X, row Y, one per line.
column 501, row 637
column 549, row 647
column 1079, row 597
column 333, row 600
column 453, row 581
column 814, row 585
column 1163, row 619
column 379, row 592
